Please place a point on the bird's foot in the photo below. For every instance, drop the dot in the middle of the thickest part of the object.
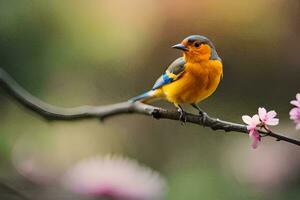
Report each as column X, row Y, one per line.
column 182, row 116
column 203, row 116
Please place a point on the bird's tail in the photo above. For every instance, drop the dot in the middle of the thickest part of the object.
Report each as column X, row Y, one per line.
column 145, row 97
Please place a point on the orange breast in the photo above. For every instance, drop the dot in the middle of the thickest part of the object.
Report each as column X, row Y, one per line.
column 198, row 82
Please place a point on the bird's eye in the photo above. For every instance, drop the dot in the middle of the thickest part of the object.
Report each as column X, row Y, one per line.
column 197, row 44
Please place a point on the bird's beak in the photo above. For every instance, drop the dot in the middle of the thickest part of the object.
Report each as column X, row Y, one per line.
column 180, row 47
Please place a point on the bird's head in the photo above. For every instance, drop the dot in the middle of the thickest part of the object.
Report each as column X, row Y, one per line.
column 197, row 48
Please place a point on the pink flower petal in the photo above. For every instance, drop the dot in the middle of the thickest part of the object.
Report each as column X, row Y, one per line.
column 254, row 143
column 262, row 112
column 296, row 103
column 295, row 113
column 255, row 137
column 295, row 116
column 247, row 119
column 272, row 122
column 271, row 114
column 255, row 119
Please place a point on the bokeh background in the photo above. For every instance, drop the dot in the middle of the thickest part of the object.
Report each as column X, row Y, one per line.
column 76, row 52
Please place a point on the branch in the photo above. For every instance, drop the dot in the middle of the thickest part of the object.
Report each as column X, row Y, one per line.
column 51, row 112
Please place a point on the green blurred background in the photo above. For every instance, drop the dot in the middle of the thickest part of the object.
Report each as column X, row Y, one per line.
column 76, row 52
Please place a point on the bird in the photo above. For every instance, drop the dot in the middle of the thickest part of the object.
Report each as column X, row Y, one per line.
column 189, row 79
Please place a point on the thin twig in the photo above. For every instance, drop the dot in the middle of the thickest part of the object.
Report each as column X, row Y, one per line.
column 51, row 112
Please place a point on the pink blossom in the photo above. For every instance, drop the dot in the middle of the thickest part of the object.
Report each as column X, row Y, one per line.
column 267, row 118
column 295, row 116
column 262, row 119
column 295, row 112
column 297, row 101
column 252, row 122
column 115, row 177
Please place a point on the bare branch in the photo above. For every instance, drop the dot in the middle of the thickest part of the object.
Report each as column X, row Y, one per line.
column 51, row 112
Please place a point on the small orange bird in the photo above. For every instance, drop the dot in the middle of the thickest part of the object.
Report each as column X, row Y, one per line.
column 189, row 79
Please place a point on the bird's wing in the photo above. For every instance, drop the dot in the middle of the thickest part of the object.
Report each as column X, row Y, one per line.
column 174, row 71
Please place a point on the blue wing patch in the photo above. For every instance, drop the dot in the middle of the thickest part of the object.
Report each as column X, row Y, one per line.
column 173, row 72
column 163, row 80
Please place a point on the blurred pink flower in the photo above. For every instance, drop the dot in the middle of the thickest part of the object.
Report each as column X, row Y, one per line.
column 295, row 112
column 115, row 177
column 297, row 101
column 252, row 122
column 268, row 170
column 295, row 116
column 268, row 118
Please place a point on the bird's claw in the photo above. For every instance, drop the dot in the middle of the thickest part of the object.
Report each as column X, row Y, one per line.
column 203, row 116
column 182, row 116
